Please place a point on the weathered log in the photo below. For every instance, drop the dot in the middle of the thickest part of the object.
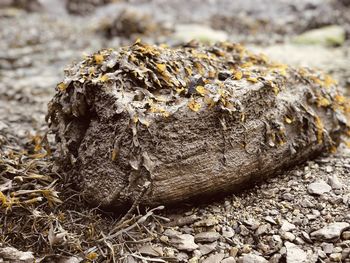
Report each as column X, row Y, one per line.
column 188, row 122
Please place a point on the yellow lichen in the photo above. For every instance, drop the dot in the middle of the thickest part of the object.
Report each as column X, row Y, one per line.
column 193, row 105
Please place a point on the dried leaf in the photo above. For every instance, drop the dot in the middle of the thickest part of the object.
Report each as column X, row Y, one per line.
column 323, row 102
column 61, row 86
column 193, row 105
column 238, row 75
column 288, row 120
column 98, row 59
column 161, row 67
column 92, row 256
column 201, row 90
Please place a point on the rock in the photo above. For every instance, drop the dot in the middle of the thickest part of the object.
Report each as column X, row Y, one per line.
column 207, row 248
column 251, row 223
column 194, row 259
column 13, row 255
column 275, row 258
column 295, row 254
column 346, row 235
column 207, row 222
column 345, row 253
column 216, row 258
column 286, row 226
column 270, row 220
column 188, row 32
column 246, row 249
column 335, row 257
column 171, row 233
column 228, row 260
column 182, row 257
column 327, row 248
column 251, row 258
column 234, row 251
column 227, row 232
column 306, row 237
column 184, row 242
column 70, row 260
column 288, row 236
column 331, row 231
column 205, row 237
column 288, row 197
column 319, row 188
column 152, row 251
column 335, row 182
column 243, row 230
column 329, row 35
column 262, row 229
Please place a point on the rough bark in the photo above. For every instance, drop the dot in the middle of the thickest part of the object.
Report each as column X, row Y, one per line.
column 188, row 122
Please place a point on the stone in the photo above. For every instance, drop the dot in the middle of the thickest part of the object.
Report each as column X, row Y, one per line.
column 335, row 182
column 227, row 232
column 275, row 258
column 346, row 235
column 207, row 248
column 183, row 242
column 207, row 222
column 319, row 188
column 11, row 254
column 306, row 237
column 330, row 231
column 205, row 237
column 251, row 223
column 345, row 253
column 71, row 260
column 329, row 36
column 335, row 257
column 321, row 254
column 251, row 258
column 152, row 251
column 295, row 254
column 286, row 226
column 228, row 260
column 327, row 248
column 234, row 251
column 216, row 258
column 171, row 233
column 270, row 220
column 194, row 259
column 262, row 229
column 288, row 197
column 288, row 236
column 182, row 257
column 243, row 230
column 246, row 249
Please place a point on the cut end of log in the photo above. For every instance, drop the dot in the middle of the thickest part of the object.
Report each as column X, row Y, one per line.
column 160, row 125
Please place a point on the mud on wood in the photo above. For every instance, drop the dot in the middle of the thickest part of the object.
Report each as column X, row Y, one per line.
column 188, row 122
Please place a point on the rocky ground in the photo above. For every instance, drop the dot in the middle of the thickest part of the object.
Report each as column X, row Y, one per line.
column 302, row 215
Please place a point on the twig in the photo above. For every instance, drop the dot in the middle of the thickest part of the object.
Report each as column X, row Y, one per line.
column 148, row 259
column 136, row 202
column 140, row 221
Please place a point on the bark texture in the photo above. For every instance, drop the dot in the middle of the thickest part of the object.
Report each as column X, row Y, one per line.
column 188, row 122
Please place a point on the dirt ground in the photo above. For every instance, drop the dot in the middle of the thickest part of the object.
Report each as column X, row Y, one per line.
column 301, row 215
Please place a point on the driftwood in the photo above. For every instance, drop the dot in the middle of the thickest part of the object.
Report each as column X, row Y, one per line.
column 157, row 125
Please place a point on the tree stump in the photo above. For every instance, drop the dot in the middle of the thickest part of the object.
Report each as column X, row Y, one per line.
column 160, row 125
